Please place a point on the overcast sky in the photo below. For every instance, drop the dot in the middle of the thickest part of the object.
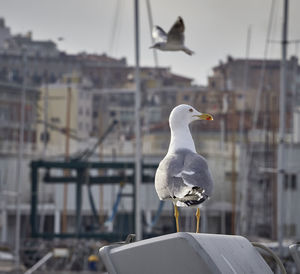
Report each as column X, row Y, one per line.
column 214, row 28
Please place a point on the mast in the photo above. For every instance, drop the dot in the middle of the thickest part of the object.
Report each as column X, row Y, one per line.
column 233, row 165
column 138, row 157
column 67, row 158
column 281, row 131
column 242, row 198
column 20, row 160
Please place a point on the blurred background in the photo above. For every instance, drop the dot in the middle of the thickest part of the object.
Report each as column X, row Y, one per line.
column 68, row 78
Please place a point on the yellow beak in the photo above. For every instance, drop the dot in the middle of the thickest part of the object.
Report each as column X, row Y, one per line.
column 205, row 116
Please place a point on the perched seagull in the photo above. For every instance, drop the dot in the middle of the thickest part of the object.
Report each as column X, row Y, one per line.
column 183, row 175
column 171, row 41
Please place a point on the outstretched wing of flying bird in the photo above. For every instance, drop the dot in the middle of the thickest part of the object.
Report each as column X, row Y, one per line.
column 159, row 35
column 176, row 33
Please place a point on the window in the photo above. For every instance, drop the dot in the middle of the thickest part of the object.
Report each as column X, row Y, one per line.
column 126, row 116
column 186, row 97
column 290, row 230
column 95, row 114
column 55, row 120
column 113, row 98
column 4, row 113
column 290, row 181
column 154, row 115
column 156, row 99
column 286, row 181
column 294, row 181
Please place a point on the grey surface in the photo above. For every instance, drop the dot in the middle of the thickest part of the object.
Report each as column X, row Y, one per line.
column 178, row 173
column 189, row 253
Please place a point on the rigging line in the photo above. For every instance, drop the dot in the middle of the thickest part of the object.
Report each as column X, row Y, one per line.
column 157, row 215
column 88, row 153
column 114, row 28
column 111, row 46
column 276, row 26
column 245, row 84
column 95, row 216
column 115, row 205
column 291, row 142
column 259, row 96
column 254, row 123
column 155, row 57
column 150, row 18
column 242, row 122
column 263, row 68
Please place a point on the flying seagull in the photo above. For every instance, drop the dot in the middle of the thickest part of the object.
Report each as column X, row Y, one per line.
column 183, row 175
column 171, row 41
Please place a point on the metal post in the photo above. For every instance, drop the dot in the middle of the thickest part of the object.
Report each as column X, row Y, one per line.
column 222, row 147
column 100, row 173
column 3, row 212
column 67, row 152
column 203, row 219
column 281, row 133
column 57, row 221
column 245, row 86
column 46, row 134
column 3, row 208
column 34, row 198
column 19, row 162
column 233, row 166
column 81, row 173
column 44, row 152
column 138, row 157
column 243, row 195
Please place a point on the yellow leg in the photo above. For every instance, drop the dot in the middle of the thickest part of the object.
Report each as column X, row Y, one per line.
column 198, row 219
column 176, row 215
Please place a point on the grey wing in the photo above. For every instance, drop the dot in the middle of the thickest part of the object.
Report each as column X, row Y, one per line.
column 158, row 34
column 196, row 173
column 176, row 33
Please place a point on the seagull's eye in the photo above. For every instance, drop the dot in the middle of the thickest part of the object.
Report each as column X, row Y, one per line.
column 191, row 110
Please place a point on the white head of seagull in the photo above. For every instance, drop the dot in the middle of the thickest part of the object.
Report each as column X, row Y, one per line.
column 179, row 120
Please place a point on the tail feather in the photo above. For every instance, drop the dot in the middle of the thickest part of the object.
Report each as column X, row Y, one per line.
column 188, row 51
column 196, row 202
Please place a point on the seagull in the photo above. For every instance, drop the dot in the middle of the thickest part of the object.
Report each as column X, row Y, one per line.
column 171, row 41
column 183, row 175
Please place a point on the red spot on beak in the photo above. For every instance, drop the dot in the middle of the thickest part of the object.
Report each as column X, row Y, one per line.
column 208, row 118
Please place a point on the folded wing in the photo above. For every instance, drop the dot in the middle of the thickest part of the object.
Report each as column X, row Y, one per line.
column 195, row 173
